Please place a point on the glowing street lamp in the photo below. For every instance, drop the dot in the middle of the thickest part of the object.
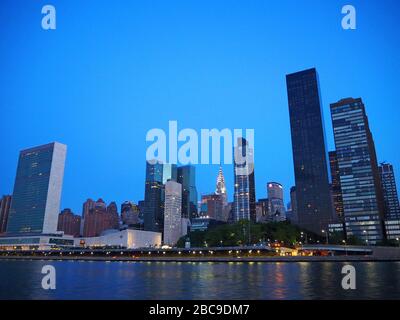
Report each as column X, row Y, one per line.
column 327, row 235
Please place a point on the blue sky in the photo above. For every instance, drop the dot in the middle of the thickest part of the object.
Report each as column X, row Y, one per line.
column 112, row 70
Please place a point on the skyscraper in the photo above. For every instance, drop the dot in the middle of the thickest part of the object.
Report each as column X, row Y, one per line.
column 153, row 197
column 170, row 172
column 87, row 206
column 314, row 205
column 113, row 216
column 212, row 207
column 187, row 178
column 390, row 196
column 244, row 207
column 99, row 218
column 172, row 212
column 358, row 169
column 262, row 210
column 69, row 223
column 336, row 187
column 220, row 187
column 130, row 213
column 276, row 203
column 5, row 203
column 37, row 190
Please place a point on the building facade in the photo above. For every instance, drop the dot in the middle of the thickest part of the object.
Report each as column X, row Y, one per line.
column 244, row 203
column 212, row 206
column 221, row 187
column 112, row 211
column 336, row 188
column 126, row 239
column 154, row 197
column 293, row 204
column 314, row 205
column 69, row 223
column 5, row 203
column 389, row 188
column 262, row 211
column 37, row 190
column 276, row 204
column 358, row 168
column 187, row 178
column 130, row 214
column 172, row 213
column 99, row 218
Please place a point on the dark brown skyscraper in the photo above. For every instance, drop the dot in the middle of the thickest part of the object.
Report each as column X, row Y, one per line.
column 314, row 203
column 99, row 218
column 69, row 223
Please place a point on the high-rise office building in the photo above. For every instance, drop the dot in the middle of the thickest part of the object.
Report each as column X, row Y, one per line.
column 390, row 196
column 358, row 169
column 220, row 187
column 276, row 203
column 262, row 210
column 37, row 190
column 187, row 178
column 172, row 212
column 314, row 204
column 170, row 172
column 212, row 207
column 130, row 213
column 141, row 206
column 244, row 207
column 153, row 197
column 5, row 203
column 112, row 211
column 336, row 188
column 69, row 223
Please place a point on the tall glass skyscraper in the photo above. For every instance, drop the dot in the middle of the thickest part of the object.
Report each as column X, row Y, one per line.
column 314, row 204
column 358, row 169
column 187, row 178
column 390, row 196
column 154, row 197
column 37, row 190
column 170, row 172
column 244, row 203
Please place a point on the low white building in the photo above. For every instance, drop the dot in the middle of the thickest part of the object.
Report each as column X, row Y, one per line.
column 129, row 238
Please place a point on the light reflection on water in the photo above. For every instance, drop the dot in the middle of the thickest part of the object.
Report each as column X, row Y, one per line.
column 198, row 280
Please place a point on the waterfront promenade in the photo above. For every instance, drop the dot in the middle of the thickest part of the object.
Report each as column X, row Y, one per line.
column 307, row 253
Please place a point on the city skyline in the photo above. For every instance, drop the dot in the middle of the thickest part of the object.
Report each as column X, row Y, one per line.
column 122, row 102
column 172, row 171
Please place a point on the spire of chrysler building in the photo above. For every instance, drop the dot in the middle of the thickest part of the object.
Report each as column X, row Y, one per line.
column 221, row 189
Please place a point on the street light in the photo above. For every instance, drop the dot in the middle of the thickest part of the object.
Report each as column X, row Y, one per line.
column 365, row 232
column 327, row 235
